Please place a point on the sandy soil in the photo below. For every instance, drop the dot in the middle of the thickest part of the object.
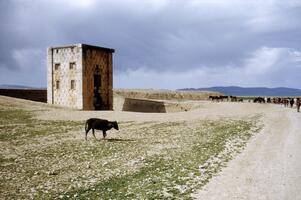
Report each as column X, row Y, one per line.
column 270, row 165
column 268, row 168
column 199, row 110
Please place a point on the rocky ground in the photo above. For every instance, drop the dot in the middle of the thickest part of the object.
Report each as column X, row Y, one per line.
column 153, row 155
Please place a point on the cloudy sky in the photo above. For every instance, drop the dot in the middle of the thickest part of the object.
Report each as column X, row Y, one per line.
column 159, row 43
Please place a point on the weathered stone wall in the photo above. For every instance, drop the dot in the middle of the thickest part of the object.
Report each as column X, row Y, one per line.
column 141, row 105
column 65, row 95
column 29, row 94
column 91, row 59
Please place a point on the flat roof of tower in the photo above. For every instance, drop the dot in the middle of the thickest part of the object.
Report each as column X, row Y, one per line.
column 84, row 46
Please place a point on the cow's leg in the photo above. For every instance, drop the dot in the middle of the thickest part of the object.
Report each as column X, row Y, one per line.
column 87, row 131
column 93, row 132
column 104, row 134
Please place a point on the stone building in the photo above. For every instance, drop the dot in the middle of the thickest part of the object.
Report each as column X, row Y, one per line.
column 80, row 76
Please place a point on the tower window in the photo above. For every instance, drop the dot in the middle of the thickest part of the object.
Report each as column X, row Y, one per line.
column 56, row 66
column 72, row 85
column 72, row 65
column 57, row 85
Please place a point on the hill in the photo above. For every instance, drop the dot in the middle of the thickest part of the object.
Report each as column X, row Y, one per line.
column 5, row 86
column 250, row 91
column 8, row 86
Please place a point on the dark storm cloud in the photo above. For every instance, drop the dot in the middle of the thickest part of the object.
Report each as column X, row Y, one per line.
column 158, row 36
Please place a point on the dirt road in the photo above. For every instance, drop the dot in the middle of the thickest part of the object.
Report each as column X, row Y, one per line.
column 270, row 165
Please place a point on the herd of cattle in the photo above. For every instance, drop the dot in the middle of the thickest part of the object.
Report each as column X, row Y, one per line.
column 286, row 101
column 225, row 98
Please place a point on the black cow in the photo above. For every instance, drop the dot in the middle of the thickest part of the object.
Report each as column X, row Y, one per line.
column 259, row 100
column 298, row 103
column 100, row 124
column 233, row 98
column 214, row 98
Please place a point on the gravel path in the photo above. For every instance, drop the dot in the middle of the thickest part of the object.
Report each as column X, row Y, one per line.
column 270, row 165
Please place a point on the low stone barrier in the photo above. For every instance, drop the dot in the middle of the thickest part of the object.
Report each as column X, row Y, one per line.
column 29, row 94
column 141, row 105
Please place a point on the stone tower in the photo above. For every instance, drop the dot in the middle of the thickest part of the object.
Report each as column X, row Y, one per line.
column 80, row 76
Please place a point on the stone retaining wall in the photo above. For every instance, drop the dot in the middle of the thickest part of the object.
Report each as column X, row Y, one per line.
column 29, row 94
column 141, row 105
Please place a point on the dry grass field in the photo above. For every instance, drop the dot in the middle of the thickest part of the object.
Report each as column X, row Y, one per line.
column 153, row 156
column 164, row 94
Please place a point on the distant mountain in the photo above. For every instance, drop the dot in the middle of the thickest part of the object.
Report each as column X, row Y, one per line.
column 252, row 91
column 5, row 86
